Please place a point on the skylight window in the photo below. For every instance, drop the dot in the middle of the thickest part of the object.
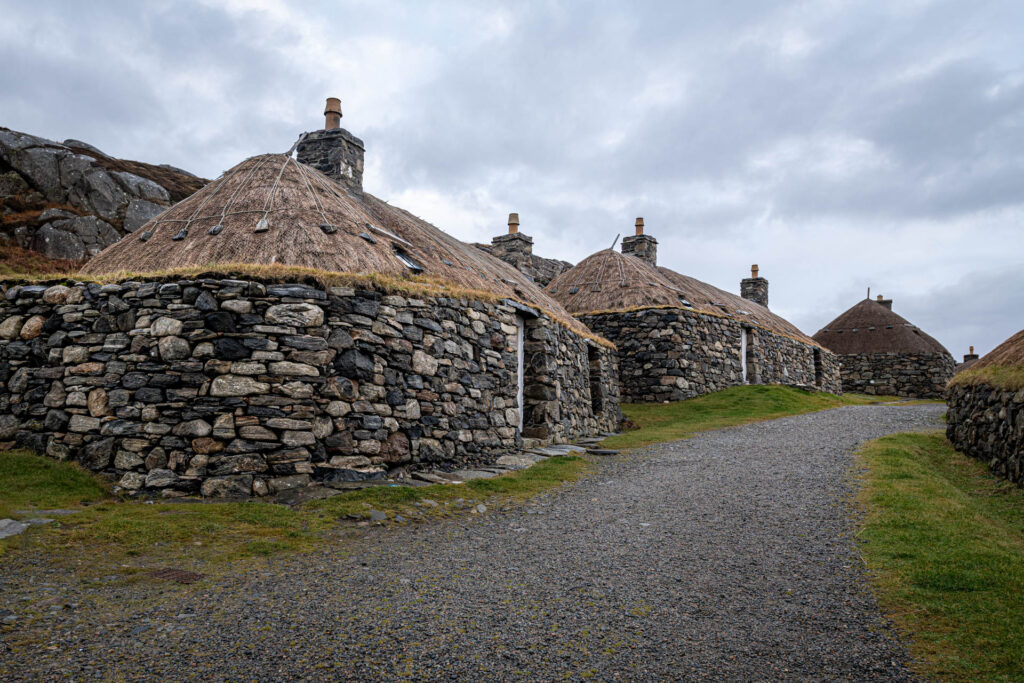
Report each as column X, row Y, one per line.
column 407, row 260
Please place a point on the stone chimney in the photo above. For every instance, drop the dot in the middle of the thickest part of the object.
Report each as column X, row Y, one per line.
column 970, row 356
column 884, row 302
column 641, row 245
column 755, row 287
column 333, row 150
column 514, row 247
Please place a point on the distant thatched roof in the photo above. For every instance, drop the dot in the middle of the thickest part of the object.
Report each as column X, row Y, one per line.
column 611, row 281
column 1003, row 367
column 1010, row 352
column 870, row 327
column 270, row 209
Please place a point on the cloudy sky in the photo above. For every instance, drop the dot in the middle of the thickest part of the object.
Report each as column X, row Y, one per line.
column 839, row 145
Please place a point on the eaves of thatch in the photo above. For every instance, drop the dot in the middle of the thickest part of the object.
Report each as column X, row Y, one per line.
column 870, row 327
column 611, row 282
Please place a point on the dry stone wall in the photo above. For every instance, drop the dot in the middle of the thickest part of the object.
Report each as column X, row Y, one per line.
column 670, row 354
column 918, row 375
column 232, row 387
column 571, row 384
column 987, row 423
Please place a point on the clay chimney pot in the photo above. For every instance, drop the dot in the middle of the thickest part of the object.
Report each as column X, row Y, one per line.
column 972, row 350
column 879, row 297
column 753, row 270
column 639, row 226
column 332, row 114
column 513, row 223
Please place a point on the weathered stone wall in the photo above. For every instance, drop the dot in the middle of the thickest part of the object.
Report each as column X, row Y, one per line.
column 231, row 387
column 558, row 391
column 988, row 424
column 918, row 375
column 670, row 354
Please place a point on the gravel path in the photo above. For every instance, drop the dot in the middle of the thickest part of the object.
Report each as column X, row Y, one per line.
column 728, row 556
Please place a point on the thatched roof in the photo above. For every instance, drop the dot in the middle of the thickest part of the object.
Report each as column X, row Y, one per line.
column 1003, row 367
column 270, row 209
column 609, row 281
column 1010, row 352
column 870, row 327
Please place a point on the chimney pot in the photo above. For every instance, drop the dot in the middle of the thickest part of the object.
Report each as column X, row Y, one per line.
column 332, row 114
column 972, row 350
column 639, row 226
column 879, row 298
column 753, row 270
column 513, row 223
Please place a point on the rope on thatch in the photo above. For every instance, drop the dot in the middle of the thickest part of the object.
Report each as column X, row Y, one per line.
column 300, row 199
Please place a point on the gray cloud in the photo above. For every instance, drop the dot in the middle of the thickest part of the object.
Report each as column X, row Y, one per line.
column 838, row 144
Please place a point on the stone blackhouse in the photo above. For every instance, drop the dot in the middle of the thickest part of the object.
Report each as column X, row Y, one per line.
column 269, row 364
column 883, row 354
column 678, row 337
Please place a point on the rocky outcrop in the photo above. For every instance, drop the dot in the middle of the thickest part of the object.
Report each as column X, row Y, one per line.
column 69, row 200
column 987, row 423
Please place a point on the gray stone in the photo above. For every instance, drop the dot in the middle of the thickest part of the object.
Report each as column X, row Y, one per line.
column 83, row 423
column 423, row 364
column 298, row 315
column 58, row 244
column 173, row 348
column 279, row 484
column 238, row 486
column 293, row 438
column 11, row 327
column 297, row 369
column 166, row 327
column 193, row 428
column 8, row 427
column 236, row 385
column 132, row 481
column 11, row 527
column 140, row 212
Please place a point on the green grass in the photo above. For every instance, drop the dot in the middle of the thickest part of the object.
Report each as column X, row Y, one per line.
column 110, row 532
column 659, row 422
column 944, row 542
column 30, row 482
column 1010, row 377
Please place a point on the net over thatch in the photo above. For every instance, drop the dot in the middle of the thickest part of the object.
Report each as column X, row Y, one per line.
column 1010, row 352
column 870, row 327
column 609, row 281
column 270, row 209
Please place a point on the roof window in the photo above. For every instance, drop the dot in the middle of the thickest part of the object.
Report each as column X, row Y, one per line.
column 404, row 257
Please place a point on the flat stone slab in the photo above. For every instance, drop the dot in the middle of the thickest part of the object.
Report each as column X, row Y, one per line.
column 48, row 513
column 466, row 475
column 11, row 527
column 435, row 478
column 304, row 494
column 602, row 451
column 519, row 461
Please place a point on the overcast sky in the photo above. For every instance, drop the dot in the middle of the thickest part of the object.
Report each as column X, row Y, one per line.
column 839, row 145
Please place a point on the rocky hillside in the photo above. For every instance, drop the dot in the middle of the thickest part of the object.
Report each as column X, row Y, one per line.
column 67, row 201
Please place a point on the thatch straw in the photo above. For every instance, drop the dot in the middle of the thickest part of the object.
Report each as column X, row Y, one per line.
column 611, row 282
column 1003, row 367
column 361, row 235
column 870, row 327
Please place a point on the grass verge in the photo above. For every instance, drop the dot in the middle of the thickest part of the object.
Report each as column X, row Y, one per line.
column 108, row 531
column 944, row 543
column 659, row 422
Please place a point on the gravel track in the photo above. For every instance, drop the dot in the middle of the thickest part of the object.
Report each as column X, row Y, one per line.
column 727, row 556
